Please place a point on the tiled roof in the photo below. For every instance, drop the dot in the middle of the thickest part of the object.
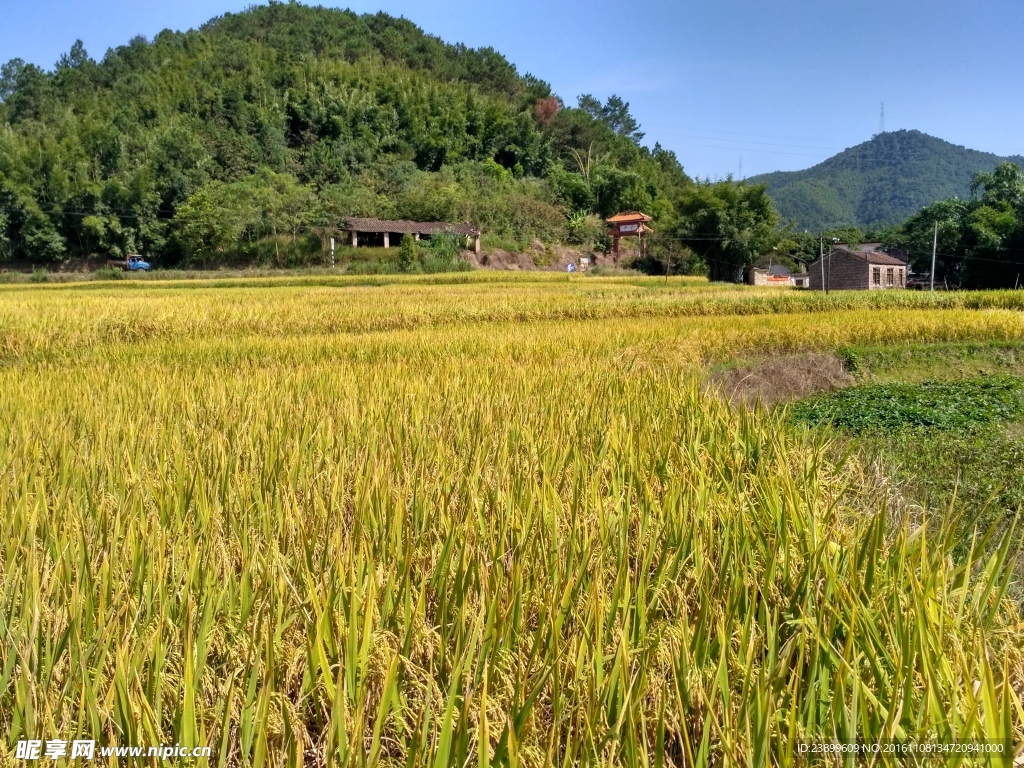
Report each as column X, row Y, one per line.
column 870, row 257
column 877, row 257
column 410, row 227
column 628, row 216
column 778, row 270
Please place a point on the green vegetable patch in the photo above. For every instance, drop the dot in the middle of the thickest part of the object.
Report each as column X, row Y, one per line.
column 945, row 405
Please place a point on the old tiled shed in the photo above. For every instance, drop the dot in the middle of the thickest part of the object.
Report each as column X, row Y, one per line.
column 372, row 228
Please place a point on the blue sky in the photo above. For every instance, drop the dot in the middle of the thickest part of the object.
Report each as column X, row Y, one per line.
column 770, row 85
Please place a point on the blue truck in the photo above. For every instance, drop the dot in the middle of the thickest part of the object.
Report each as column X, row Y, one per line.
column 133, row 263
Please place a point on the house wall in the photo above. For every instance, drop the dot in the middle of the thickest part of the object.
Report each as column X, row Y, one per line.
column 757, row 277
column 847, row 273
column 899, row 276
column 850, row 273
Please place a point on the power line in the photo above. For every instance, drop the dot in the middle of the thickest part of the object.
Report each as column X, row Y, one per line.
column 721, row 134
column 761, row 151
column 746, row 141
column 673, row 238
column 968, row 257
column 680, row 238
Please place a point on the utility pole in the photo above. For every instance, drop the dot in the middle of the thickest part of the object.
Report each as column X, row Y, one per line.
column 821, row 253
column 831, row 250
column 935, row 247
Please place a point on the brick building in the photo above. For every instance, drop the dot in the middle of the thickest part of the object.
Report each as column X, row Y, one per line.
column 848, row 270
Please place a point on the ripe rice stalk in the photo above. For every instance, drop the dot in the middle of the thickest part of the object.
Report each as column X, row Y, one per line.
column 413, row 521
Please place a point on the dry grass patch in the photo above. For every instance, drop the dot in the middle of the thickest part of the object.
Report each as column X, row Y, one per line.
column 782, row 379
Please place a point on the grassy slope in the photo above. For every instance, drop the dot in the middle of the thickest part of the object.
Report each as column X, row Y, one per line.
column 938, row 361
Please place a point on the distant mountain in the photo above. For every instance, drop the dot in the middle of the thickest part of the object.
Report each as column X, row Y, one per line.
column 879, row 182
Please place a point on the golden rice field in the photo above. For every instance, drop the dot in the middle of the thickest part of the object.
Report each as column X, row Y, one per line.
column 475, row 520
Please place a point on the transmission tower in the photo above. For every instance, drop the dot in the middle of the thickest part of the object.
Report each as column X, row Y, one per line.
column 881, row 120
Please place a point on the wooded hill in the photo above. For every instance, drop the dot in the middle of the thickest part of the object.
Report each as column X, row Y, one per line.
column 199, row 146
column 879, row 182
column 250, row 139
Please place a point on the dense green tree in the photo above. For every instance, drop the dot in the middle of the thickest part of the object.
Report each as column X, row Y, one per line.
column 25, row 231
column 210, row 222
column 980, row 241
column 1003, row 186
column 728, row 225
column 213, row 222
column 614, row 113
column 915, row 237
column 284, row 119
column 664, row 254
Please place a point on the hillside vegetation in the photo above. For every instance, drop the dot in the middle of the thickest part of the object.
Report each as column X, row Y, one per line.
column 248, row 141
column 879, row 182
column 279, row 121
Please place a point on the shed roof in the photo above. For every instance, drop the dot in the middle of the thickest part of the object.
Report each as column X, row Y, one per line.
column 353, row 224
column 778, row 270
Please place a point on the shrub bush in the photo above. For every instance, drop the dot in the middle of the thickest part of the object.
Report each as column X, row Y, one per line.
column 107, row 273
column 409, row 255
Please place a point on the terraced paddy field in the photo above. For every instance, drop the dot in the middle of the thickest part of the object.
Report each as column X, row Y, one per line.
column 479, row 519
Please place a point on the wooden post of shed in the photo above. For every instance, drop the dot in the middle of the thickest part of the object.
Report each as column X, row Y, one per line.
column 387, row 239
column 355, row 239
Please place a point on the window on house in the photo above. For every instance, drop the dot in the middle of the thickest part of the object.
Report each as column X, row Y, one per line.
column 876, row 275
column 890, row 277
column 903, row 279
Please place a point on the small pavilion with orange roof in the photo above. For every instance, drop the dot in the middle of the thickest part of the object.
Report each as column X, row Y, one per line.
column 628, row 224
